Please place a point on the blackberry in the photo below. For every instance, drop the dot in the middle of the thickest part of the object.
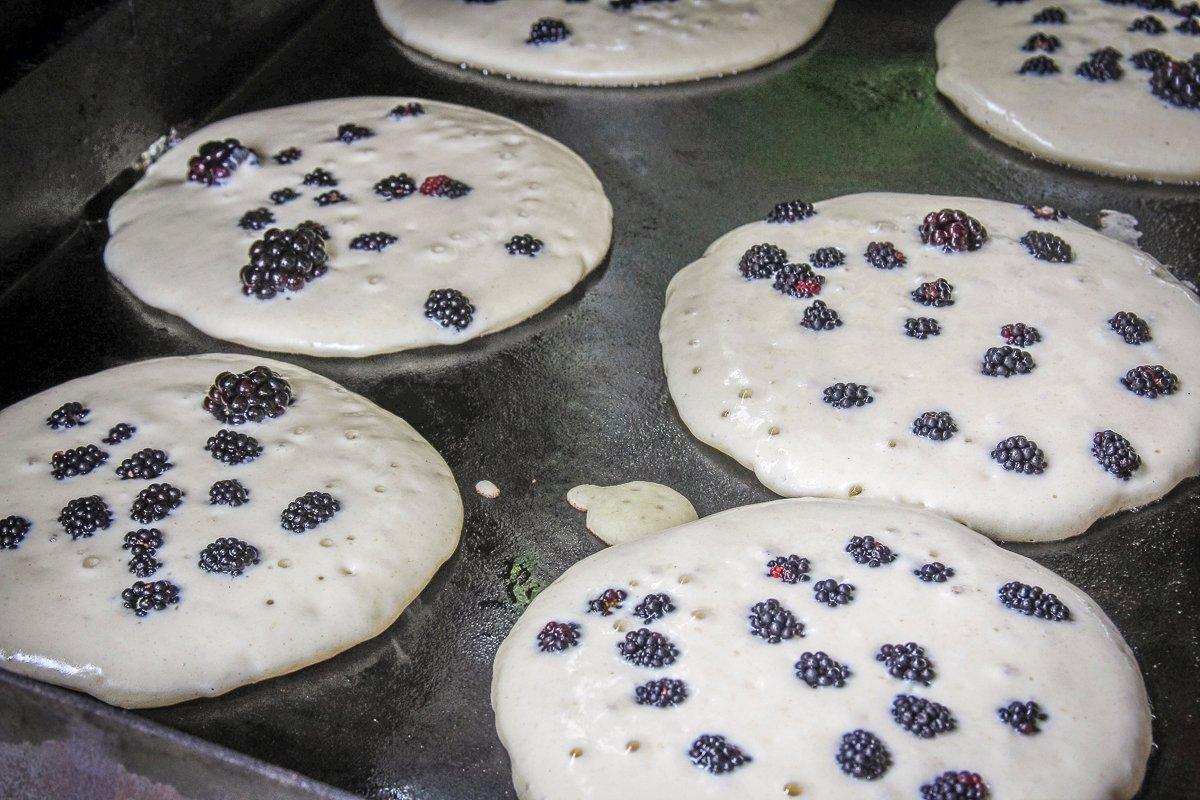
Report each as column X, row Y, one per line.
column 1033, row 601
column 250, row 396
column 308, row 511
column 1190, row 26
column 1022, row 717
column 762, row 261
column 1051, row 15
column 216, row 162
column 653, row 606
column 789, row 569
column 1132, row 328
column 771, row 621
column 523, row 245
column 884, row 255
column 406, row 110
column 819, row 670
column 84, row 516
column 142, row 597
column 798, row 280
column 938, row 294
column 330, row 198
column 847, row 395
column 1150, row 381
column 449, row 308
column 1114, row 452
column 320, row 177
column 827, row 258
column 1041, row 41
column 547, row 30
column 936, row 425
column 314, row 227
column 1188, row 10
column 256, row 219
column 1048, row 247
column 228, row 493
column 820, row 317
column 907, row 662
column 715, row 753
column 68, row 415
column 144, row 465
column 144, row 564
column 952, row 230
column 119, row 433
column 1148, row 59
column 231, row 447
column 1019, row 334
column 395, row 187
column 287, row 155
column 662, row 693
column 952, row 785
column 79, row 461
column 920, row 717
column 832, row 593
column 143, row 540
column 1148, row 24
column 284, row 260
column 922, row 328
column 1047, row 213
column 13, row 530
column 645, row 648
column 556, row 637
column 1019, row 454
column 377, row 241
column 284, row 195
column 444, row 186
column 229, row 556
column 791, row 211
column 1039, row 65
column 155, row 502
column 1102, row 66
column 607, row 601
column 351, row 133
column 1004, row 362
column 934, row 572
column 862, row 755
column 869, row 551
column 625, row 5
column 1177, row 82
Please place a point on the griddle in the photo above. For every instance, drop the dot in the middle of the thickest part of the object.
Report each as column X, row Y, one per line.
column 577, row 395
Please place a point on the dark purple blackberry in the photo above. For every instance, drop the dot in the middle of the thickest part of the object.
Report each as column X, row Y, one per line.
column 78, row 461
column 832, row 593
column 1150, row 381
column 645, row 648
column 287, row 155
column 1022, row 717
column 625, row 5
column 820, row 317
column 547, row 30
column 1033, row 601
column 1019, row 334
column 308, row 511
column 1019, row 454
column 320, row 177
column 921, row 717
column 13, row 530
column 231, row 447
column 1047, row 213
column 862, row 755
column 819, row 670
column 907, row 662
column 1189, row 26
column 1004, row 362
column 444, row 186
column 395, row 187
column 376, row 242
column 952, row 230
column 1102, row 66
column 1132, row 328
column 523, row 245
column 798, row 280
column 284, row 195
column 789, row 569
column 119, row 433
column 884, row 255
column 847, row 395
column 229, row 556
column 284, row 260
column 869, row 551
column 155, row 502
column 1148, row 24
column 449, row 308
column 1046, row 42
column 351, row 133
column 955, row 786
column 791, row 211
column 1039, row 65
column 1148, row 59
column 256, row 219
column 1114, row 452
column 144, row 563
column 934, row 572
column 216, row 162
column 84, row 516
column 143, row 540
column 922, row 328
column 228, row 493
column 330, row 198
column 556, row 637
column 314, row 227
column 714, row 753
column 661, row 693
column 771, row 621
column 405, row 110
column 1188, row 10
column 936, row 294
column 68, row 415
column 144, row 465
column 762, row 261
column 827, row 258
column 251, row 396
column 653, row 606
column 1051, row 15
column 936, row 425
column 606, row 601
column 1048, row 247
column 143, row 597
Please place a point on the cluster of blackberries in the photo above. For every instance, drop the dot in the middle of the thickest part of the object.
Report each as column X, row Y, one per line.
column 937, row 293
column 952, row 785
column 869, row 551
column 68, row 415
column 714, row 753
column 556, row 637
column 444, row 186
column 819, row 670
column 952, row 230
column 934, row 572
column 832, row 593
column 228, row 493
column 789, row 569
column 217, row 161
column 662, row 693
column 231, row 447
column 1033, row 601
column 820, row 317
column 1150, row 381
column 395, row 187
column 1048, row 247
column 921, row 328
column 646, row 648
column 228, row 555
column 771, row 621
column 606, row 601
column 827, row 258
column 762, row 261
column 350, row 133
column 936, row 425
column 144, row 464
column 1102, row 65
column 1004, row 362
column 653, row 606
column 118, row 433
column 142, row 598
column 252, row 396
column 83, row 516
column 308, row 511
column 377, row 241
column 884, row 255
column 143, row 545
column 847, row 395
column 155, row 502
column 256, row 219
column 77, row 461
column 548, row 30
column 284, row 260
column 790, row 211
column 1022, row 717
column 449, row 308
column 13, row 530
column 798, row 280
column 921, row 717
column 1130, row 327
column 863, row 755
column 907, row 662
column 523, row 245
column 1019, row 334
column 1114, row 452
column 1020, row 454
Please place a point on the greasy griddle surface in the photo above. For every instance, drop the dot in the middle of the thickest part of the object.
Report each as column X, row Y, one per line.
column 577, row 394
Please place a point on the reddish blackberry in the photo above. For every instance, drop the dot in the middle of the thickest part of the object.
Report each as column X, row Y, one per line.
column 229, row 556
column 155, row 502
column 1150, row 381
column 715, row 753
column 68, row 415
column 869, row 551
column 862, row 755
column 791, row 211
column 847, row 395
column 934, row 572
column 523, row 245
column 547, row 30
column 1051, row 15
column 952, row 230
column 79, row 461
column 320, row 177
column 955, row 786
column 820, row 317
column 771, row 621
column 330, row 198
column 13, row 530
column 884, row 255
column 444, row 186
column 1148, row 59
column 1114, row 452
column 143, row 597
column 143, row 564
column 1004, row 362
column 228, row 493
column 376, row 242
column 1033, row 601
column 251, row 396
column 556, row 637
column 1019, row 334
column 1148, row 24
column 143, row 540
column 798, row 280
column 406, row 110
column 922, row 328
column 1022, row 717
column 937, row 293
column 284, row 260
column 84, row 516
column 827, row 258
column 1039, row 65
column 1047, row 213
column 789, row 569
column 231, row 447
column 1048, row 247
column 1019, row 454
column 144, row 465
column 281, row 196
column 395, row 187
column 661, row 693
column 287, row 155
column 308, row 511
column 606, row 601
column 449, row 308
column 217, row 161
column 907, row 662
column 1047, row 42
column 256, row 219
column 920, row 717
column 1132, row 328
column 819, row 670
column 351, row 133
column 653, row 606
column 936, row 425
column 119, row 433
column 645, row 648
column 1102, row 65
column 762, row 261
column 832, row 593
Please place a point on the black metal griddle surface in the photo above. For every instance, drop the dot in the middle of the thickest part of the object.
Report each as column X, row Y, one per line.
column 577, row 394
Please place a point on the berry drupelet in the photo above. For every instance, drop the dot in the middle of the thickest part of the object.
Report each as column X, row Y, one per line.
column 84, row 516
column 661, row 693
column 68, row 415
column 936, row 294
column 287, row 155
column 936, row 425
column 798, row 280
column 1102, row 65
column 826, row 258
column 252, row 396
column 921, row 328
column 1018, row 334
column 1048, row 247
column 1019, row 454
column 884, row 255
column 832, row 593
column 1178, row 82
column 789, row 569
column 231, row 447
column 604, row 603
column 790, row 211
column 256, row 219
column 228, row 493
column 216, row 162
column 78, row 461
column 907, row 662
column 762, row 261
column 395, row 187
column 1039, row 65
column 870, row 552
column 847, row 395
column 653, row 606
column 555, row 637
column 645, row 648
column 548, row 30
column 819, row 670
column 952, row 230
column 1130, row 327
column 284, row 260
column 1004, row 362
column 144, row 465
column 13, row 530
column 320, row 177
column 444, row 186
column 229, row 556
column 1115, row 454
column 1022, row 717
column 717, row 755
column 862, row 755
column 350, row 133
column 769, row 620
column 376, row 242
column 118, row 433
column 155, row 502
column 921, row 717
column 449, row 308
column 1150, row 381
column 1033, row 601
column 934, row 572
column 308, row 511
column 955, row 786
column 523, row 245
column 142, row 597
